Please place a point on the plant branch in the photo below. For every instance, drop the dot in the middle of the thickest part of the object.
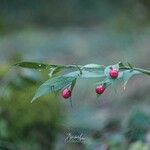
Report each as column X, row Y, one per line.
column 147, row 72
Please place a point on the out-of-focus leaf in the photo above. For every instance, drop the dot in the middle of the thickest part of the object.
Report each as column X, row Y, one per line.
column 139, row 146
column 31, row 75
column 137, row 125
column 53, row 85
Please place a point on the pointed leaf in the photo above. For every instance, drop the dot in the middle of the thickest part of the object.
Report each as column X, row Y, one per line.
column 53, row 85
column 93, row 66
column 86, row 74
column 34, row 65
column 127, row 75
column 55, row 70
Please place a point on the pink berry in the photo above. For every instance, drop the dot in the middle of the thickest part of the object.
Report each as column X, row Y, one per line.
column 100, row 89
column 113, row 73
column 66, row 93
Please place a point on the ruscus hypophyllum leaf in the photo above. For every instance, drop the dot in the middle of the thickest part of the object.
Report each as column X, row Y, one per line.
column 55, row 70
column 34, row 65
column 53, row 85
column 127, row 74
column 93, row 66
column 86, row 74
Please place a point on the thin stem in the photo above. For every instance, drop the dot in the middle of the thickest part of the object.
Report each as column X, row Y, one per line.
column 137, row 69
column 71, row 103
column 143, row 70
column 73, row 66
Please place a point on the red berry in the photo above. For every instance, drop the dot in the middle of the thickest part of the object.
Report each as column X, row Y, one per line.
column 66, row 93
column 113, row 73
column 100, row 89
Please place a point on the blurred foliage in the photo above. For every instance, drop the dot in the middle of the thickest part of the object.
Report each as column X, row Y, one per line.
column 137, row 126
column 21, row 121
column 139, row 146
column 16, row 13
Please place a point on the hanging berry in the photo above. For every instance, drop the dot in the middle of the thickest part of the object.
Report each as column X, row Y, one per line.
column 113, row 73
column 100, row 89
column 66, row 93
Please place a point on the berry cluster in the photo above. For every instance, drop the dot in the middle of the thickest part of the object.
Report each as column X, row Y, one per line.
column 113, row 74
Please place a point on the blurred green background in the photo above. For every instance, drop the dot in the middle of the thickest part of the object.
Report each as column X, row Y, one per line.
column 73, row 32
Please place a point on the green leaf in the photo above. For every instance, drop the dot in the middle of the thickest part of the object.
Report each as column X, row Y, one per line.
column 34, row 65
column 86, row 74
column 127, row 75
column 53, row 85
column 116, row 66
column 93, row 66
column 55, row 70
